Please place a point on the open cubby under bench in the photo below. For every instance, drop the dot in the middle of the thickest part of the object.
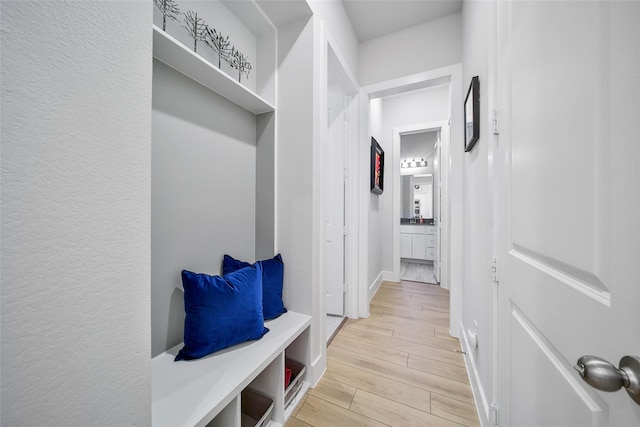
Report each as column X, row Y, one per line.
column 207, row 391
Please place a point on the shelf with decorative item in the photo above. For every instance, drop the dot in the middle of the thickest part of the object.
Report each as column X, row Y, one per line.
column 184, row 60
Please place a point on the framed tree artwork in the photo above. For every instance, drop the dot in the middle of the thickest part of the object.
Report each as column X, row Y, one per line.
column 472, row 114
column 377, row 167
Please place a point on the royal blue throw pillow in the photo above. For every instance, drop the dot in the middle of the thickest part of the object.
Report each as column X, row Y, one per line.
column 221, row 311
column 272, row 280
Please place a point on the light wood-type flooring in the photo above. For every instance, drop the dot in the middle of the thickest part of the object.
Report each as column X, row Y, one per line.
column 398, row 367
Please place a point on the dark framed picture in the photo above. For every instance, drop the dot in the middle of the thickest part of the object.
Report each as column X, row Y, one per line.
column 472, row 114
column 377, row 167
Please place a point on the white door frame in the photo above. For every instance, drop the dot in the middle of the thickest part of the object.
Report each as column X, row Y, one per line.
column 398, row 132
column 350, row 86
column 451, row 276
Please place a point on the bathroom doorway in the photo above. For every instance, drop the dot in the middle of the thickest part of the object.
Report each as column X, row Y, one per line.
column 419, row 207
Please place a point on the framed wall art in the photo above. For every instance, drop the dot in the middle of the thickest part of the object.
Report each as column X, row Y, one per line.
column 472, row 114
column 377, row 167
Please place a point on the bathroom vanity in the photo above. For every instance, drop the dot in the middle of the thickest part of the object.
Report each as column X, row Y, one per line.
column 417, row 240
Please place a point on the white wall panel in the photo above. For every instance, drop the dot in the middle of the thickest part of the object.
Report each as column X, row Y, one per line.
column 376, row 225
column 555, row 383
column 295, row 159
column 478, row 247
column 203, row 192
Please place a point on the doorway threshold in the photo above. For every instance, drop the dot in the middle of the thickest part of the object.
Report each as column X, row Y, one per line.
column 334, row 323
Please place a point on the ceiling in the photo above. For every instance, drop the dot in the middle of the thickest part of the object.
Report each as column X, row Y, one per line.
column 418, row 145
column 376, row 18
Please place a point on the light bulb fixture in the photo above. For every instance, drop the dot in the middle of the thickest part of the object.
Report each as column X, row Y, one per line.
column 413, row 163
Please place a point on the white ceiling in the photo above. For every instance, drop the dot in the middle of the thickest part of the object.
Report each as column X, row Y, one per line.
column 376, row 18
column 418, row 145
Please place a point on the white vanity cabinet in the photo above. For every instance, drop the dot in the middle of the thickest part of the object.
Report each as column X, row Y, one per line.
column 419, row 246
column 431, row 243
column 405, row 245
column 417, row 241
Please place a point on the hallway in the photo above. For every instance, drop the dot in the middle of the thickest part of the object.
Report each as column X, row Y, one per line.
column 397, row 367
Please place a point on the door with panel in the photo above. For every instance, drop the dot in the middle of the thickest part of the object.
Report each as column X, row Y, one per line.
column 334, row 254
column 406, row 246
column 419, row 246
column 568, row 207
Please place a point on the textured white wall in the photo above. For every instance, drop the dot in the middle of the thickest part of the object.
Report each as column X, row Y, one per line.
column 413, row 50
column 76, row 152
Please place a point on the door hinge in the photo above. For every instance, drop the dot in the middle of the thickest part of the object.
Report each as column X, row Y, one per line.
column 495, row 270
column 346, row 174
column 494, row 122
column 345, row 288
column 493, row 413
column 345, row 231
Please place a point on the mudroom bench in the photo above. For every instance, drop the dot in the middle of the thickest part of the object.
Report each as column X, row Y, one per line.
column 217, row 390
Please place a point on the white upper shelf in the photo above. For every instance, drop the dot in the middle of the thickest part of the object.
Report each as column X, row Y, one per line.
column 177, row 56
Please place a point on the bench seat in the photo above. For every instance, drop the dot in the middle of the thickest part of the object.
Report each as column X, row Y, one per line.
column 192, row 393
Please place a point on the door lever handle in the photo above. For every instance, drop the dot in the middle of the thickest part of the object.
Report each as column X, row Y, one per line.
column 602, row 375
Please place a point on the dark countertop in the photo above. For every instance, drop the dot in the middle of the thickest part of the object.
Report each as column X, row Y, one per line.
column 407, row 221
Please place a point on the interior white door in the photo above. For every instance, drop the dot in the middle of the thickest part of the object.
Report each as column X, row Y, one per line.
column 437, row 179
column 438, row 182
column 568, row 210
column 334, row 254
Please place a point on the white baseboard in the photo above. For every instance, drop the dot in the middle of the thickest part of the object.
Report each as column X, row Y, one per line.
column 373, row 287
column 479, row 394
column 318, row 368
column 388, row 276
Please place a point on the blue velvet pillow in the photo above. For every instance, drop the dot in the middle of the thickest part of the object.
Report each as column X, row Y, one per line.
column 221, row 311
column 272, row 280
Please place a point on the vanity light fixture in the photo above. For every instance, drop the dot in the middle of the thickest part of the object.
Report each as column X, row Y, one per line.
column 413, row 163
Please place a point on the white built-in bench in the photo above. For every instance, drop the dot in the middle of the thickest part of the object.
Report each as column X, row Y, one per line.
column 207, row 391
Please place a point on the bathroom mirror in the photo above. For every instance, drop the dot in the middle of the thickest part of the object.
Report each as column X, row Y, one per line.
column 416, row 196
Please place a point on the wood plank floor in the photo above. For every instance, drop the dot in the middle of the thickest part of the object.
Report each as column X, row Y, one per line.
column 396, row 368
